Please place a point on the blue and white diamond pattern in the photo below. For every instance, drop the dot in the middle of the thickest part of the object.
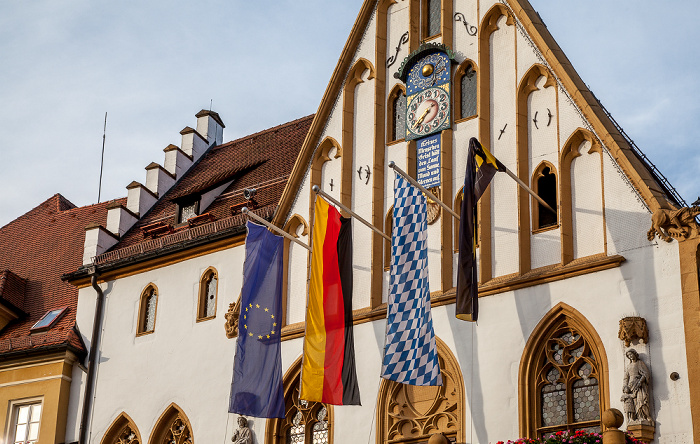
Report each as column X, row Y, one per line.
column 410, row 355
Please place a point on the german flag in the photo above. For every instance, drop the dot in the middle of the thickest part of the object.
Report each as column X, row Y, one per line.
column 328, row 371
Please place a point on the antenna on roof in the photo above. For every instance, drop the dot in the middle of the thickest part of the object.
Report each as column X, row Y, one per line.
column 211, row 102
column 104, row 135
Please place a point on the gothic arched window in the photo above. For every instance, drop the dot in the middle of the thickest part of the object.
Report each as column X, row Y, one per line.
column 208, row 284
column 122, row 431
column 544, row 183
column 397, row 115
column 466, row 90
column 305, row 422
column 562, row 373
column 173, row 427
column 147, row 310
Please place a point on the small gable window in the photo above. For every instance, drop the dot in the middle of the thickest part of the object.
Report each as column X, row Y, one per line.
column 187, row 209
column 432, row 10
column 207, row 295
column 147, row 310
column 545, row 185
column 48, row 320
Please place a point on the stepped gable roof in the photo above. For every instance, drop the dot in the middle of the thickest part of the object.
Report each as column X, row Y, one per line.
column 262, row 161
column 35, row 250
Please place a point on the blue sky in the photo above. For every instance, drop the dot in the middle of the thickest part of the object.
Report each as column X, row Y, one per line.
column 153, row 65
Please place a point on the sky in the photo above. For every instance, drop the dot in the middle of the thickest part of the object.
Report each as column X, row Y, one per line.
column 152, row 65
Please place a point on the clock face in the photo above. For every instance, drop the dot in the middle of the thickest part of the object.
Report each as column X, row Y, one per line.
column 427, row 112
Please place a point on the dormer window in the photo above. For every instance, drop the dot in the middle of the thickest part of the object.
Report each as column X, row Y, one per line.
column 48, row 320
column 187, row 210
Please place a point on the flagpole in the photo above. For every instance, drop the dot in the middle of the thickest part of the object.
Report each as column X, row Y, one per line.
column 316, row 189
column 526, row 188
column 262, row 221
column 392, row 164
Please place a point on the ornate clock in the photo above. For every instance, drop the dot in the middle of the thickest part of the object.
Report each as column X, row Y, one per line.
column 428, row 96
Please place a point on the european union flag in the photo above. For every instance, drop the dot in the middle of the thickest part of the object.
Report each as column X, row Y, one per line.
column 256, row 389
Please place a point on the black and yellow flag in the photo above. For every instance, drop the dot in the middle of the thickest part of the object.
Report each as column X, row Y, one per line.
column 481, row 167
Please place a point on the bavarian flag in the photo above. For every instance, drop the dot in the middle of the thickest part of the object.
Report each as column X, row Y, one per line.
column 328, row 371
column 481, row 167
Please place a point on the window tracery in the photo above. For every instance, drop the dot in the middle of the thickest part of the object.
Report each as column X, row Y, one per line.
column 172, row 427
column 305, row 422
column 122, row 431
column 562, row 376
column 411, row 414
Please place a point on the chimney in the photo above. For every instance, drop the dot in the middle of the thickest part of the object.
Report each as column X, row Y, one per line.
column 193, row 143
column 119, row 219
column 176, row 161
column 210, row 126
column 158, row 179
column 139, row 199
column 97, row 241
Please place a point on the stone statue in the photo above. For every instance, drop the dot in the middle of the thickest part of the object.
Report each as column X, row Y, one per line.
column 628, row 399
column 231, row 325
column 677, row 223
column 637, row 387
column 242, row 435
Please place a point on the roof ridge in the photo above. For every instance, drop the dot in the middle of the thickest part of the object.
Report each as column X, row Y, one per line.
column 259, row 133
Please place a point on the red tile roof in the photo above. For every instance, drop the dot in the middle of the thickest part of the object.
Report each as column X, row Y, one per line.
column 36, row 249
column 262, row 161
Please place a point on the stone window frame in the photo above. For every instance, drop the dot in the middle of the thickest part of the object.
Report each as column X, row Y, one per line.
column 143, row 310
column 394, row 95
column 203, row 291
column 117, row 430
column 536, row 206
column 462, row 70
column 276, row 428
column 534, row 361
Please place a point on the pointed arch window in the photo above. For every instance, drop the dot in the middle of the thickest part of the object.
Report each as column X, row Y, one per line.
column 122, row 431
column 173, row 427
column 305, row 422
column 431, row 18
column 544, row 183
column 397, row 116
column 208, row 285
column 147, row 310
column 564, row 369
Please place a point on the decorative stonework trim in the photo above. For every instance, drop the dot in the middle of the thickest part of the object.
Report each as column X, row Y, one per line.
column 488, row 25
column 633, row 328
column 123, row 430
column 530, row 363
column 551, row 273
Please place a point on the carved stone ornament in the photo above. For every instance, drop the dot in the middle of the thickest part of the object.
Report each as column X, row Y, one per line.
column 633, row 328
column 232, row 315
column 674, row 223
column 636, row 396
column 127, row 436
column 178, row 432
column 242, row 435
column 434, row 208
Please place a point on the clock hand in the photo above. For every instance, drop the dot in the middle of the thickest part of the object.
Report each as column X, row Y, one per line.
column 425, row 113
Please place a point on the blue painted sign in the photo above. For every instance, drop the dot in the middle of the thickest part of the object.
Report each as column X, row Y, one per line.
column 428, row 161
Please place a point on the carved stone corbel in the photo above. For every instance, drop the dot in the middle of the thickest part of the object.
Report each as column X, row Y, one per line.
column 633, row 328
column 674, row 223
column 232, row 315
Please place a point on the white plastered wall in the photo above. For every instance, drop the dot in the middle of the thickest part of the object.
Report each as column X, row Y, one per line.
column 587, row 202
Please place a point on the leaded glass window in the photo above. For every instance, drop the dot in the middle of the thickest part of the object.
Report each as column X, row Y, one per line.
column 468, row 93
column 207, row 294
column 433, row 17
column 305, row 422
column 398, row 130
column 569, row 395
column 147, row 316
